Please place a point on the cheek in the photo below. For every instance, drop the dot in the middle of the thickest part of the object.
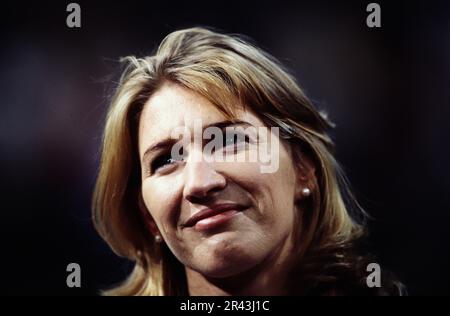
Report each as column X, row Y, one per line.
column 277, row 192
column 278, row 198
column 247, row 177
column 272, row 193
column 159, row 199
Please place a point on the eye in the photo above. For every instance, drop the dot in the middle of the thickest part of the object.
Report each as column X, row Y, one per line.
column 164, row 161
column 234, row 140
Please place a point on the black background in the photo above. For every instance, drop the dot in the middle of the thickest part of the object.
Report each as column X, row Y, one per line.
column 386, row 89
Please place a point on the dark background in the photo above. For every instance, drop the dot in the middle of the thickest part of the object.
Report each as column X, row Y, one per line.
column 387, row 90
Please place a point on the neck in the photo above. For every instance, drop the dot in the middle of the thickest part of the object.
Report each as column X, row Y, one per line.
column 267, row 278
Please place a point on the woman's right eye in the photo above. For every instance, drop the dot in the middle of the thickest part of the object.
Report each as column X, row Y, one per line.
column 162, row 161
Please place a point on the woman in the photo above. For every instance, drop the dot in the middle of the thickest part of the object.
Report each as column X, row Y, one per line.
column 198, row 226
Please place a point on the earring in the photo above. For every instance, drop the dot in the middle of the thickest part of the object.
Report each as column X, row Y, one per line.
column 306, row 191
column 158, row 239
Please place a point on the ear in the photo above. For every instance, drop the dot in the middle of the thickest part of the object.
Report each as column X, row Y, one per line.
column 147, row 217
column 306, row 176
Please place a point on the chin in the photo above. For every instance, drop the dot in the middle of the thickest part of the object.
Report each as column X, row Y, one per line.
column 226, row 263
column 225, row 270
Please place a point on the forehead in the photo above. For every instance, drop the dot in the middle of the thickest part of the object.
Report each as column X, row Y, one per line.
column 173, row 106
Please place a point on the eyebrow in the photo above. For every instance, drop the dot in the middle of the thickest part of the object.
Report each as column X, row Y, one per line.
column 168, row 142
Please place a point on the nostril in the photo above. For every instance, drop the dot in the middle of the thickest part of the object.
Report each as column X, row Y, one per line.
column 202, row 181
column 200, row 196
column 194, row 199
column 214, row 189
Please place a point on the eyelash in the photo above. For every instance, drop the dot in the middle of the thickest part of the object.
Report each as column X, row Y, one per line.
column 236, row 137
column 159, row 161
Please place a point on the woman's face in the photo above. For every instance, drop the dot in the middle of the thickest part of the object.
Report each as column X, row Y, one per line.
column 246, row 215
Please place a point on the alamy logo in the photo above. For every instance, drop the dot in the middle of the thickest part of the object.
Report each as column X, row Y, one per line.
column 74, row 277
column 74, row 18
column 374, row 278
column 374, row 18
column 235, row 144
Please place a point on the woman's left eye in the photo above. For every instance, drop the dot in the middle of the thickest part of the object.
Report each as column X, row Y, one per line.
column 234, row 139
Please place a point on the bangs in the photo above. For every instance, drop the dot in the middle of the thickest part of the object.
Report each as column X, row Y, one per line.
column 221, row 93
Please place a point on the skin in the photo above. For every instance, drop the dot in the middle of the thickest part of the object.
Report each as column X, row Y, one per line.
column 249, row 255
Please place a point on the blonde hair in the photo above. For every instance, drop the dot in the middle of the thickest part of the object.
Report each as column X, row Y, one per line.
column 227, row 70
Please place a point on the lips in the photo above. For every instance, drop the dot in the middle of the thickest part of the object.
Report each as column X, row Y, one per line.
column 214, row 214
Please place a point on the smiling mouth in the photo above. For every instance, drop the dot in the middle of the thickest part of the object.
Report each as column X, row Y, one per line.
column 213, row 216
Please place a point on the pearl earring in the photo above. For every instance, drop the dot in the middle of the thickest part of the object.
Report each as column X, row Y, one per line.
column 306, row 191
column 158, row 239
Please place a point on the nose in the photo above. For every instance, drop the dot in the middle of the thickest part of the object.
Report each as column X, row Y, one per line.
column 201, row 180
